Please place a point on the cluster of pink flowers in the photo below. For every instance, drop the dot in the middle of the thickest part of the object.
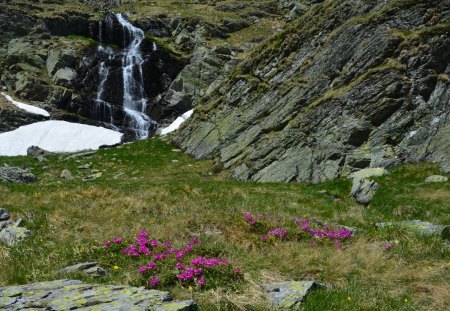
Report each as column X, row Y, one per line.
column 164, row 257
column 264, row 224
column 324, row 233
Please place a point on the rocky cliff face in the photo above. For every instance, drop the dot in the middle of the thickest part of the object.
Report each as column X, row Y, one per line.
column 350, row 84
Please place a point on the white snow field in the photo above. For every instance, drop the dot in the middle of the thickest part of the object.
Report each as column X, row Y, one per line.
column 26, row 107
column 177, row 123
column 56, row 136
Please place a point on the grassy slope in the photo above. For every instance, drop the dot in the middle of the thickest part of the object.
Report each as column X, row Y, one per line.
column 174, row 200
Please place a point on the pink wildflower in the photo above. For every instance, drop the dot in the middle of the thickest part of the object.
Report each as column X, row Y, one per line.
column 166, row 244
column 142, row 269
column 236, row 269
column 201, row 281
column 154, row 282
column 180, row 265
column 195, row 241
column 118, row 240
column 107, row 244
column 388, row 246
column 263, row 238
column 151, row 265
column 154, row 243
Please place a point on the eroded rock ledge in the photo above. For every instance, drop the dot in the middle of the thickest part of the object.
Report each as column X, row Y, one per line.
column 75, row 295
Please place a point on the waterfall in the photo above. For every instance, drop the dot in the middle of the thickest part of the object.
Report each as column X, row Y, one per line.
column 134, row 102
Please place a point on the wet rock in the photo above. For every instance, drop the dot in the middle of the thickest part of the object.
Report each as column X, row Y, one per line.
column 436, row 179
column 65, row 76
column 16, row 175
column 88, row 268
column 74, row 294
column 231, row 7
column 363, row 190
column 66, row 174
column 418, row 226
column 289, row 295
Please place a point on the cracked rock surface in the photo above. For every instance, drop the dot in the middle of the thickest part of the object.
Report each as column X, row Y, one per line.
column 62, row 295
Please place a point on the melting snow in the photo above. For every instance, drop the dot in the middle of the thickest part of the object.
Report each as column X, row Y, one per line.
column 56, row 136
column 28, row 108
column 177, row 123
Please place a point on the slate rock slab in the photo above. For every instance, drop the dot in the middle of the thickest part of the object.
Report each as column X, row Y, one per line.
column 418, row 226
column 436, row 179
column 62, row 295
column 11, row 232
column 368, row 172
column 16, row 175
column 288, row 295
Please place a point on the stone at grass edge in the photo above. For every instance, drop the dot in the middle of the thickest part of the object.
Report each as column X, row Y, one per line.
column 418, row 226
column 16, row 175
column 436, row 179
column 368, row 172
column 74, row 294
column 88, row 268
column 363, row 190
column 13, row 235
column 4, row 214
column 66, row 174
column 288, row 295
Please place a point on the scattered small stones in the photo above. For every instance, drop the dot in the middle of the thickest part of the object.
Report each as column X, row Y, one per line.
column 41, row 158
column 88, row 268
column 85, row 166
column 288, row 295
column 11, row 232
column 74, row 294
column 436, row 179
column 95, row 174
column 363, row 190
column 80, row 154
column 66, row 174
column 16, row 175
column 418, row 226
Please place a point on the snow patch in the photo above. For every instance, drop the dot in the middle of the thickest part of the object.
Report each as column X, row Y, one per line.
column 56, row 136
column 412, row 134
column 26, row 107
column 177, row 123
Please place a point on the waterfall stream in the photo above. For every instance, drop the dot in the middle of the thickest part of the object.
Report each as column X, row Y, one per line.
column 134, row 101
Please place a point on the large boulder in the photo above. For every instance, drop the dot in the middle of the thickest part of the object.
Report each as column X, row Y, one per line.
column 290, row 294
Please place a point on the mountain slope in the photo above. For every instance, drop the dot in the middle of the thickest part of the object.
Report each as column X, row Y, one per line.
column 350, row 84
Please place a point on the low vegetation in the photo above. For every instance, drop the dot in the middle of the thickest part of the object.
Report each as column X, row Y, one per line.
column 253, row 233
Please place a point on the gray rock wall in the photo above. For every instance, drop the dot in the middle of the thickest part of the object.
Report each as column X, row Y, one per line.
column 350, row 84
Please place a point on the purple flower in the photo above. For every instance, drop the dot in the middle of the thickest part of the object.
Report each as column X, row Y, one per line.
column 151, row 265
column 142, row 269
column 179, row 254
column 248, row 216
column 180, row 265
column 278, row 232
column 166, row 244
column 263, row 238
column 118, row 240
column 236, row 269
column 154, row 243
column 195, row 241
column 201, row 281
column 198, row 261
column 159, row 256
column 388, row 246
column 154, row 282
column 107, row 244
column 143, row 235
column 313, row 243
column 198, row 271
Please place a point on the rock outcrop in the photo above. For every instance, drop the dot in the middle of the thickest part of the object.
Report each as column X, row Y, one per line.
column 16, row 175
column 351, row 84
column 73, row 294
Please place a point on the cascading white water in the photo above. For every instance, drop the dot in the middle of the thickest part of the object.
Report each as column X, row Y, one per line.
column 134, row 99
column 103, row 108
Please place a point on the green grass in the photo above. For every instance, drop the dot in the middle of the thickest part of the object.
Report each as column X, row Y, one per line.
column 175, row 197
